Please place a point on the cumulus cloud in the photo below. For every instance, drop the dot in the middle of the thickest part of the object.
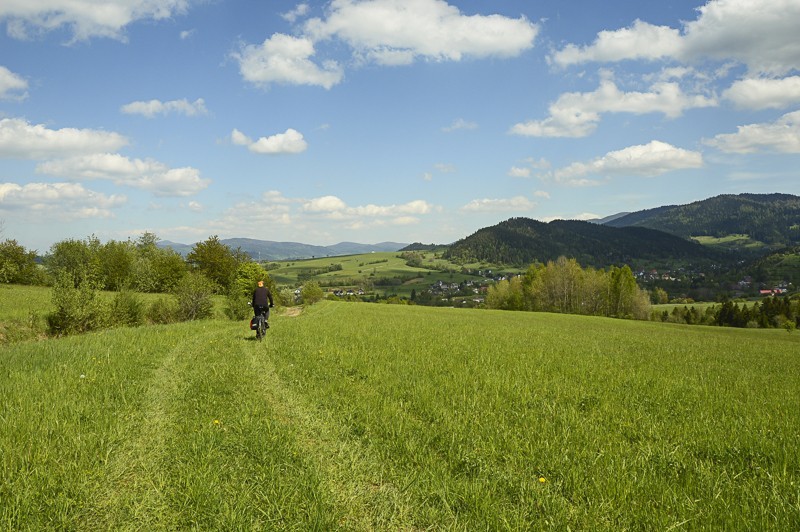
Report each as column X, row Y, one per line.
column 515, row 204
column 290, row 141
column 576, row 114
column 286, row 59
column 149, row 175
column 84, row 18
column 768, row 45
column 12, row 86
column 152, row 108
column 782, row 136
column 299, row 11
column 21, row 140
column 640, row 41
column 647, row 160
column 399, row 31
column 59, row 201
column 516, row 171
column 336, row 208
column 764, row 93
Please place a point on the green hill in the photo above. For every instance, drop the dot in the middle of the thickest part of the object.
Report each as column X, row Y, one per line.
column 521, row 241
column 773, row 220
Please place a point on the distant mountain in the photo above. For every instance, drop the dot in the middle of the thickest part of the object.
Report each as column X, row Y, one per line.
column 269, row 250
column 521, row 241
column 773, row 219
column 607, row 219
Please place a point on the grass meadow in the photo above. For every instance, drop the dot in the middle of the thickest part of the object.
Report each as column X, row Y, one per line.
column 368, row 267
column 365, row 417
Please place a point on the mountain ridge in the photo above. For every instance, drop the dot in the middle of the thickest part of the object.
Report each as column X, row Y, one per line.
column 270, row 250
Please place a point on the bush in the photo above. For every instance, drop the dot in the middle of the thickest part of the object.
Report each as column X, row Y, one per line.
column 127, row 309
column 163, row 311
column 193, row 295
column 236, row 305
column 77, row 309
column 311, row 293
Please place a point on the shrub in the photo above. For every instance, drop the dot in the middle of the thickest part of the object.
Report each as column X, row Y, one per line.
column 78, row 308
column 193, row 294
column 236, row 305
column 163, row 311
column 127, row 309
column 311, row 293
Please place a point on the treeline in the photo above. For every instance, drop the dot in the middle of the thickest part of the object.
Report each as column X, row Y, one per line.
column 79, row 269
column 564, row 286
column 772, row 312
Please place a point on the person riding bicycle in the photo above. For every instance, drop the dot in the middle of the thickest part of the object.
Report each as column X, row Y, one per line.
column 262, row 300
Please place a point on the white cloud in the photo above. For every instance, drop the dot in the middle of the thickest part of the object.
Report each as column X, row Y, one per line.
column 300, row 10
column 764, row 93
column 85, row 18
column 459, row 124
column 58, row 201
column 576, row 114
column 152, row 108
column 22, row 140
column 399, row 31
column 12, row 86
column 186, row 34
column 781, row 136
column 640, row 41
column 761, row 34
column 291, row 141
column 515, row 204
column 149, row 175
column 516, row 171
column 335, row 208
column 286, row 59
column 647, row 160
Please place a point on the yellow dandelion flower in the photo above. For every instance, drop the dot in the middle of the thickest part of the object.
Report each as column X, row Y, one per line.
column 542, row 480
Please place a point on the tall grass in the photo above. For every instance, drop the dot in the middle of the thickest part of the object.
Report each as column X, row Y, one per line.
column 390, row 417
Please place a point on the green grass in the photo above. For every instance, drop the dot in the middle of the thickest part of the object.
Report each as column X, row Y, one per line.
column 358, row 269
column 373, row 417
column 731, row 242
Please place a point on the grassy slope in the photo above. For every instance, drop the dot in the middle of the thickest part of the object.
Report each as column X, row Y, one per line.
column 374, row 265
column 370, row 416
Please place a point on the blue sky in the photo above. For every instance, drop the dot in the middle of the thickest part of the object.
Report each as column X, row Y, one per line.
column 384, row 120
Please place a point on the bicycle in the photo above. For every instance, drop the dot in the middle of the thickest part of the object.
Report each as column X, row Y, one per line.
column 259, row 324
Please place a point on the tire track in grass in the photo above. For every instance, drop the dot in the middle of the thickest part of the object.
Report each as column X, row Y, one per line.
column 139, row 483
column 349, row 470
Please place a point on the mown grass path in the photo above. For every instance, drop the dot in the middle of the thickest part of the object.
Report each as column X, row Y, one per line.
column 367, row 417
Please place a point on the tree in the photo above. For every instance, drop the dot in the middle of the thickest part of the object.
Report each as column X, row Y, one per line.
column 217, row 261
column 78, row 258
column 155, row 269
column 116, row 261
column 17, row 265
column 311, row 293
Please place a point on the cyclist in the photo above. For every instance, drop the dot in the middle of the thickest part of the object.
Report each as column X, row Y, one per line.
column 262, row 300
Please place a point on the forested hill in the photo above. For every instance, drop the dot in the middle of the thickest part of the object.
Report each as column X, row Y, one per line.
column 521, row 241
column 773, row 219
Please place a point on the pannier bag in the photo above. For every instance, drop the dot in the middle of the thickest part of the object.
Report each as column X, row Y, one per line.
column 254, row 324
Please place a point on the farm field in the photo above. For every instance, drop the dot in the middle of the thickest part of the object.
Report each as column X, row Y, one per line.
column 363, row 417
column 352, row 271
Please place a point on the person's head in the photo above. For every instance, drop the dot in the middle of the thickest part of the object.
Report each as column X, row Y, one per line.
column 261, row 283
